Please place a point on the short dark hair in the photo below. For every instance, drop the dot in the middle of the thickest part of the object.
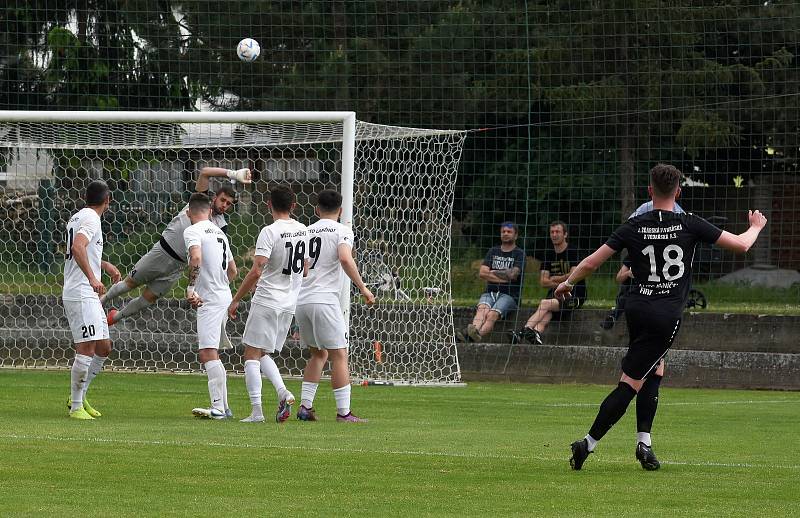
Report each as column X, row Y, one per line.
column 199, row 202
column 511, row 224
column 282, row 198
column 96, row 193
column 558, row 222
column 665, row 178
column 227, row 189
column 329, row 201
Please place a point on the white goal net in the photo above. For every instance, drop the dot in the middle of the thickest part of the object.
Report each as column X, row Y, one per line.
column 398, row 196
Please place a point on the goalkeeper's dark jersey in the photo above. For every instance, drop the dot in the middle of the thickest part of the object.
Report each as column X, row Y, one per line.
column 661, row 248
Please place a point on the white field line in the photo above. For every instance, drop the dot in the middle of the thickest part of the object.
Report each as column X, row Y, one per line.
column 350, row 451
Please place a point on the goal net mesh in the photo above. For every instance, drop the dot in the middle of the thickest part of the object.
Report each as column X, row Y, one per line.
column 402, row 210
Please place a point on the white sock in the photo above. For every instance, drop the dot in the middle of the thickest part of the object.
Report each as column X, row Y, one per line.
column 252, row 378
column 132, row 307
column 271, row 372
column 78, row 375
column 342, row 397
column 591, row 442
column 94, row 369
column 115, row 291
column 225, row 392
column 643, row 437
column 307, row 393
column 216, row 384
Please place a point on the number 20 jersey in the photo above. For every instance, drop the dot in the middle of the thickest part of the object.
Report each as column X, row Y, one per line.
column 76, row 285
column 285, row 244
column 661, row 247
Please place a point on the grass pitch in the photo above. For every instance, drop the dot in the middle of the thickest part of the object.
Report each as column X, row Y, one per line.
column 487, row 449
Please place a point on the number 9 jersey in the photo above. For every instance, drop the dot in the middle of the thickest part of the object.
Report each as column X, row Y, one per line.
column 661, row 248
column 285, row 244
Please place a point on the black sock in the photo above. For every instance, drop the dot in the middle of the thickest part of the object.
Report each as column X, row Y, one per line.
column 612, row 409
column 647, row 403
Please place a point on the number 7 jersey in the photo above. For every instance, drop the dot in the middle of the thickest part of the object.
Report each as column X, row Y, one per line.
column 661, row 247
column 285, row 244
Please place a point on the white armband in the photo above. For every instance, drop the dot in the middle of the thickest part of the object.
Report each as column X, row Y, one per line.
column 189, row 292
column 569, row 284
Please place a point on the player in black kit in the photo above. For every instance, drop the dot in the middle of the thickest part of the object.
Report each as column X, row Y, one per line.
column 660, row 247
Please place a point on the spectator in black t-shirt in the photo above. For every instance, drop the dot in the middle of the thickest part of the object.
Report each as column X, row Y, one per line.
column 502, row 270
column 660, row 247
column 558, row 263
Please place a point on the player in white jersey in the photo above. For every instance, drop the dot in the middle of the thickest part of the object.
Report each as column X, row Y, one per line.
column 211, row 268
column 82, row 286
column 278, row 269
column 161, row 267
column 319, row 313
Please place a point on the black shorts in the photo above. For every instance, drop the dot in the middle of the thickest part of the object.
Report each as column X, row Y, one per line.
column 566, row 306
column 651, row 336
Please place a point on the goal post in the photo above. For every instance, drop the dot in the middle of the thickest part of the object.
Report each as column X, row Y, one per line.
column 397, row 187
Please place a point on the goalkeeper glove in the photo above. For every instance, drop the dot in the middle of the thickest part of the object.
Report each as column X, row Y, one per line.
column 240, row 175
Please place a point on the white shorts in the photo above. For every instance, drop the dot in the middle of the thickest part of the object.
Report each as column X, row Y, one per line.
column 87, row 320
column 211, row 320
column 266, row 328
column 322, row 326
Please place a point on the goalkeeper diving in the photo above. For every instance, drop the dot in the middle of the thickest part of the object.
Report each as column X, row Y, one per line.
column 160, row 268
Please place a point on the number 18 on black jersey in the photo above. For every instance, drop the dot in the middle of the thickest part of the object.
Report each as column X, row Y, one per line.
column 661, row 247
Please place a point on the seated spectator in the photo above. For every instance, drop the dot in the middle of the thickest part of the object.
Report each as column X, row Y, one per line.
column 556, row 267
column 502, row 270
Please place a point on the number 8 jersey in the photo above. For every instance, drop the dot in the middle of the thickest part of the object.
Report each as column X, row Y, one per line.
column 285, row 244
column 661, row 248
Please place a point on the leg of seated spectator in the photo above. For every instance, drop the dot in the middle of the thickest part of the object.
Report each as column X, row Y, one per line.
column 491, row 318
column 480, row 315
column 546, row 309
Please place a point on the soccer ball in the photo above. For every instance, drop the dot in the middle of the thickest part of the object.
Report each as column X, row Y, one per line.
column 248, row 50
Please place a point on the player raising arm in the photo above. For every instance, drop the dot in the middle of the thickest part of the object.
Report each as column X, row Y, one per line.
column 82, row 288
column 211, row 268
column 160, row 268
column 278, row 268
column 319, row 313
column 660, row 247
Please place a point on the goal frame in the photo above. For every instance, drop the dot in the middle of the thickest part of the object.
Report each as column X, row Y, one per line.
column 347, row 118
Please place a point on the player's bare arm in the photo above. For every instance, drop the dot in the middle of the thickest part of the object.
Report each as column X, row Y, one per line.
column 248, row 284
column 232, row 271
column 81, row 257
column 584, row 269
column 111, row 270
column 349, row 266
column 240, row 175
column 195, row 260
column 741, row 243
column 489, row 276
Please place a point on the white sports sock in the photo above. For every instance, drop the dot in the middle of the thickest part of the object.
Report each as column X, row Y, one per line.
column 132, row 307
column 342, row 397
column 225, row 392
column 216, row 384
column 94, row 369
column 307, row 393
column 643, row 437
column 252, row 378
column 591, row 442
column 271, row 372
column 80, row 370
column 115, row 291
